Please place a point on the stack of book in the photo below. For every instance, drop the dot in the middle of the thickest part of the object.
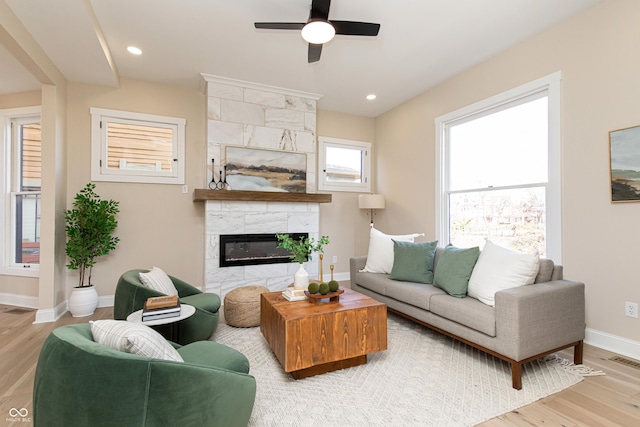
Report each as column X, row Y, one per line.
column 161, row 308
column 292, row 294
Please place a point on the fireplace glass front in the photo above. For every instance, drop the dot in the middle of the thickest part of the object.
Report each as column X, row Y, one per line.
column 253, row 249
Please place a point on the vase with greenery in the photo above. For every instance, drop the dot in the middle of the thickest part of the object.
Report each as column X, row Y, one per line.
column 89, row 225
column 301, row 250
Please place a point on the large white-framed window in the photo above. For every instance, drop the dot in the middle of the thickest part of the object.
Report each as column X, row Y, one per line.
column 21, row 180
column 137, row 147
column 498, row 171
column 344, row 165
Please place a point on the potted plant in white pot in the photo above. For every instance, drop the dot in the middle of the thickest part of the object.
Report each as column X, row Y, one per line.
column 301, row 250
column 89, row 227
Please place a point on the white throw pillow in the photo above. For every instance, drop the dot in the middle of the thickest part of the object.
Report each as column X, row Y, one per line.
column 380, row 256
column 133, row 338
column 500, row 268
column 158, row 280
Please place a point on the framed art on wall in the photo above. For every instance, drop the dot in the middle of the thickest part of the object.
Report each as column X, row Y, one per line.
column 266, row 170
column 624, row 146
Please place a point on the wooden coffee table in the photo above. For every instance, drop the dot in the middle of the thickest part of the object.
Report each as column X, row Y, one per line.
column 310, row 339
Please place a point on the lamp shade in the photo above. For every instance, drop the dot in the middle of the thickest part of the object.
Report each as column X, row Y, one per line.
column 371, row 201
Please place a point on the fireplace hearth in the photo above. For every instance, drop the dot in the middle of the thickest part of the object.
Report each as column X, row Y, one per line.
column 253, row 249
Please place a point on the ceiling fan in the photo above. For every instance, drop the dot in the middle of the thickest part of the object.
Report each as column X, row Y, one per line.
column 318, row 29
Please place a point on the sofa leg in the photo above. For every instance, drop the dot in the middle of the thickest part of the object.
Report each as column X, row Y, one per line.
column 577, row 353
column 516, row 375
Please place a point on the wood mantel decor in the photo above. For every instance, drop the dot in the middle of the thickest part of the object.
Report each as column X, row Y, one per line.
column 201, row 195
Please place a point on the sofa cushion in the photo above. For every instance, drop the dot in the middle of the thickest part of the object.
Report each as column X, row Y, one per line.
column 375, row 282
column 545, row 271
column 466, row 311
column 413, row 262
column 417, row 294
column 158, row 280
column 380, row 255
column 454, row 269
column 133, row 338
column 500, row 268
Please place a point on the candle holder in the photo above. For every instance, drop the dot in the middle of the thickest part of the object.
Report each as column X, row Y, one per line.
column 221, row 184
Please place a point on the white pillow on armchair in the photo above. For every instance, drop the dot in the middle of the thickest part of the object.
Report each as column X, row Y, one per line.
column 158, row 280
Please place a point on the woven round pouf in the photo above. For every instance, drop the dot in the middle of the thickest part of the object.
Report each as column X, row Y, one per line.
column 242, row 306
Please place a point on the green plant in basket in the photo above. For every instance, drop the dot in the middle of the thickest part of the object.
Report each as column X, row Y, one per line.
column 313, row 288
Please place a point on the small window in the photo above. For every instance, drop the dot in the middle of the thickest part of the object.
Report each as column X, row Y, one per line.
column 135, row 147
column 20, row 176
column 344, row 165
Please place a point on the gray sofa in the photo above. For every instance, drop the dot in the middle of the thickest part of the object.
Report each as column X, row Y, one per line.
column 527, row 322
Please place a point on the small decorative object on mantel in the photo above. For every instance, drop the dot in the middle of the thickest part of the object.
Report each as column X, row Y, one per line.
column 301, row 250
column 221, row 184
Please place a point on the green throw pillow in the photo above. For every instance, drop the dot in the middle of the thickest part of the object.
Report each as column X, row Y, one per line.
column 454, row 270
column 413, row 262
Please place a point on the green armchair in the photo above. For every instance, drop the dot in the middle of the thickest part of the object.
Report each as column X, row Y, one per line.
column 131, row 295
column 79, row 382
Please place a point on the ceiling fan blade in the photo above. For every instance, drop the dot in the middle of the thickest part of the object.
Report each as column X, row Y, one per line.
column 314, row 52
column 320, row 9
column 280, row 25
column 354, row 28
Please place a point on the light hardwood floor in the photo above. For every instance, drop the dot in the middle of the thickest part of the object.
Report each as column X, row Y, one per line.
column 611, row 400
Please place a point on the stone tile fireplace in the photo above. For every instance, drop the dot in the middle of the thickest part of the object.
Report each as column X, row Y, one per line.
column 264, row 117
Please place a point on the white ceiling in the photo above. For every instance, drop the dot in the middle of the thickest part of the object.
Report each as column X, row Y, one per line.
column 421, row 43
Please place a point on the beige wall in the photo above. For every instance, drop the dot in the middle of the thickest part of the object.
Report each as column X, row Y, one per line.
column 596, row 52
column 341, row 220
column 21, row 99
column 157, row 224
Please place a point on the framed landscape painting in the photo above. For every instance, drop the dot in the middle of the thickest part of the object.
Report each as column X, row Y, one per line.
column 252, row 169
column 624, row 145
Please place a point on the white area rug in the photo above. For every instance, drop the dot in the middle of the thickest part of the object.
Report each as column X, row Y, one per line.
column 423, row 379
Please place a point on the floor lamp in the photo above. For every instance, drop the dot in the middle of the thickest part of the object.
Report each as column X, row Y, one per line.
column 371, row 202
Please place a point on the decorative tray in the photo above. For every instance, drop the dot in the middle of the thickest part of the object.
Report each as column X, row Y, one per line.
column 317, row 298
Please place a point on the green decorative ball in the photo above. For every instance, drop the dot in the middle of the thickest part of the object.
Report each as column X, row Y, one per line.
column 313, row 288
column 334, row 285
column 324, row 288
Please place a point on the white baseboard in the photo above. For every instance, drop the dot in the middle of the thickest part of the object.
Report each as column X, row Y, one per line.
column 51, row 314
column 19, row 300
column 614, row 343
column 106, row 301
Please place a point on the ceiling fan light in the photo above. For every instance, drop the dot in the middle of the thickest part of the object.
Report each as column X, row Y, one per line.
column 318, row 31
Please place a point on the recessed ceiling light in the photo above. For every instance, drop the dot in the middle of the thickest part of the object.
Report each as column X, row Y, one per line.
column 134, row 50
column 371, row 97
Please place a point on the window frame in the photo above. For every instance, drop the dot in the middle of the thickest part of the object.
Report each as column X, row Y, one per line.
column 362, row 146
column 553, row 199
column 8, row 175
column 99, row 153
